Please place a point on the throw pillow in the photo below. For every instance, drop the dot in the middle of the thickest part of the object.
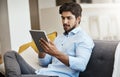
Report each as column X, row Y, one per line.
column 31, row 57
column 51, row 36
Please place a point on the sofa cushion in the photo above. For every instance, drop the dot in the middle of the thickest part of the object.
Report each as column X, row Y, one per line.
column 29, row 52
column 31, row 57
column 102, row 60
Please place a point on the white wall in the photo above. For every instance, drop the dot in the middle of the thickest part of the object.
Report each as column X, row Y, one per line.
column 101, row 21
column 46, row 3
column 19, row 22
column 4, row 27
column 52, row 21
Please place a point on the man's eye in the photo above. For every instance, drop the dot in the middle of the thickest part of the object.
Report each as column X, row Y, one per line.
column 69, row 18
column 63, row 17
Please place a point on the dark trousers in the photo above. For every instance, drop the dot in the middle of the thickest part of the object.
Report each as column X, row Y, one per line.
column 15, row 65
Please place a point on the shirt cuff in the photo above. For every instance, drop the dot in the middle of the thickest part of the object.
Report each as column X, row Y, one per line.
column 44, row 61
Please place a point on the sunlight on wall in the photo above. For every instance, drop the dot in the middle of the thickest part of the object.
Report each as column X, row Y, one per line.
column 19, row 22
column 100, row 21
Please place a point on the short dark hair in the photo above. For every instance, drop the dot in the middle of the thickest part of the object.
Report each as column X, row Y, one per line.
column 73, row 7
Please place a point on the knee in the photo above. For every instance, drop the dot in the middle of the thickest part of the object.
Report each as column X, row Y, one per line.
column 9, row 53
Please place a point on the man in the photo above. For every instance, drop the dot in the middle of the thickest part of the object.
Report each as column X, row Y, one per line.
column 67, row 56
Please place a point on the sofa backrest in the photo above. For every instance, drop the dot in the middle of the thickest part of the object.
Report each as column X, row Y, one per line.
column 102, row 60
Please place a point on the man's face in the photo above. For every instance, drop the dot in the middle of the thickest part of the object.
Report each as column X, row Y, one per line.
column 69, row 21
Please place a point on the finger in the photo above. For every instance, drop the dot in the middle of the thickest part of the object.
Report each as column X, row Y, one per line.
column 51, row 42
column 44, row 46
column 42, row 41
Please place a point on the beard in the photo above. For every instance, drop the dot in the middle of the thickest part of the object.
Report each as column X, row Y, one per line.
column 70, row 29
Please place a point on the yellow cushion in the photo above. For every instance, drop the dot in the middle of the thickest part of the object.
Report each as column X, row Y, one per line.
column 51, row 36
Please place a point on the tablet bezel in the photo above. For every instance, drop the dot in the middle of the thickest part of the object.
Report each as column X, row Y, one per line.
column 36, row 35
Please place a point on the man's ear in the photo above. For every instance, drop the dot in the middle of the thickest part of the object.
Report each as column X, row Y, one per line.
column 79, row 19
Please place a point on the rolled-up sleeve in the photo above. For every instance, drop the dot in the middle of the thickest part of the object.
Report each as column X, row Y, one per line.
column 45, row 61
column 80, row 60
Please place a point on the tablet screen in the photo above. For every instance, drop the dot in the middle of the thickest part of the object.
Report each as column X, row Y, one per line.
column 37, row 35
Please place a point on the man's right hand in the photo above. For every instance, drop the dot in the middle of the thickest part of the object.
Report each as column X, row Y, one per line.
column 41, row 54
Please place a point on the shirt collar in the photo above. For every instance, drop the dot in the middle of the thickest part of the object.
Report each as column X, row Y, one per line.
column 74, row 31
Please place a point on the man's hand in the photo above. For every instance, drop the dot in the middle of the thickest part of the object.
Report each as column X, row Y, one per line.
column 50, row 48
column 41, row 54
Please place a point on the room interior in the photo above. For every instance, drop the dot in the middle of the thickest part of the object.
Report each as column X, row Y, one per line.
column 38, row 14
column 100, row 19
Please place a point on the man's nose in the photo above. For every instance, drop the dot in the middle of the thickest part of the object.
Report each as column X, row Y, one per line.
column 65, row 21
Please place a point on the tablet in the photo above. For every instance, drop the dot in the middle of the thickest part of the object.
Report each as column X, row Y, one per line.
column 37, row 35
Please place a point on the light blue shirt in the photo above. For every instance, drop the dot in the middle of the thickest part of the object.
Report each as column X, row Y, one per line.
column 78, row 46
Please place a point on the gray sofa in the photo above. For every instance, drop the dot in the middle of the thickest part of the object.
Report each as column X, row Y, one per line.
column 101, row 62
